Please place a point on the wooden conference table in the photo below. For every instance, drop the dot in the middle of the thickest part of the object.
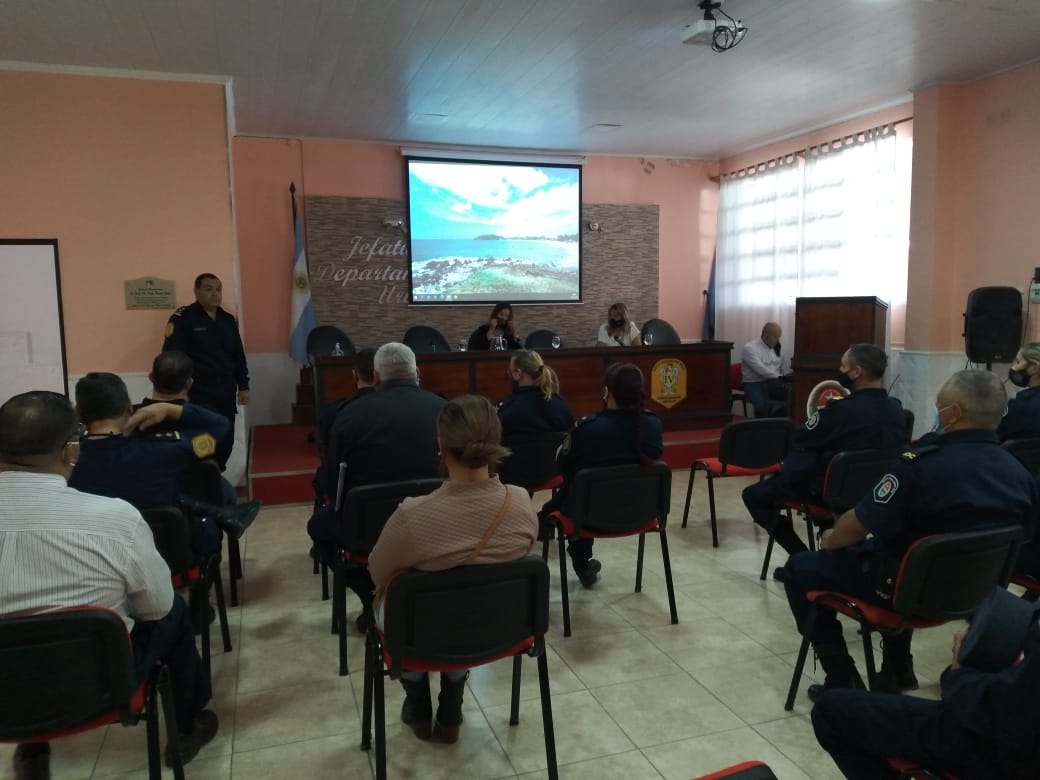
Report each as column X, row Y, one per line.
column 690, row 382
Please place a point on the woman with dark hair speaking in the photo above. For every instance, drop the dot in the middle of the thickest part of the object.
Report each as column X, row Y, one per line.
column 471, row 518
column 500, row 328
column 624, row 432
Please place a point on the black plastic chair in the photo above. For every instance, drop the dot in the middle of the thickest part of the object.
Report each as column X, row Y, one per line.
column 612, row 501
column 661, row 332
column 172, row 539
column 1026, row 450
column 532, row 461
column 941, row 578
column 424, row 338
column 736, row 387
column 540, row 339
column 909, row 417
column 748, row 770
column 850, row 476
column 457, row 619
column 71, row 671
column 322, row 340
column 202, row 481
column 747, row 448
column 363, row 511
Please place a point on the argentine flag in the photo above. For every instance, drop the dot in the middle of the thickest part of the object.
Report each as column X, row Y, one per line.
column 302, row 320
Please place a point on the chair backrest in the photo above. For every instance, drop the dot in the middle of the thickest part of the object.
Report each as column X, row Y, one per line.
column 532, row 459
column 615, row 499
column 755, row 444
column 324, row 338
column 540, row 339
column 60, row 670
column 424, row 338
column 736, row 376
column 202, row 480
column 1027, row 451
column 466, row 616
column 909, row 417
column 946, row 576
column 172, row 538
column 662, row 331
column 852, row 475
column 366, row 508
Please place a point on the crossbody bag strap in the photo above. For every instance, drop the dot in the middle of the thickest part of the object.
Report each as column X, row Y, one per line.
column 490, row 531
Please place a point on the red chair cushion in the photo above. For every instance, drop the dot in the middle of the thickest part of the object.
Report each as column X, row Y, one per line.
column 422, row 665
column 568, row 528
column 875, row 615
column 733, row 771
column 552, row 484
column 184, row 579
column 814, row 510
column 903, row 766
column 1031, row 585
column 714, row 468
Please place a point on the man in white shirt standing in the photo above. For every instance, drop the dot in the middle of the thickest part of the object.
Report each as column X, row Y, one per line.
column 760, row 362
column 60, row 548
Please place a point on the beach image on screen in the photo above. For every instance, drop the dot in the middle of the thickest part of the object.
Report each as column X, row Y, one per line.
column 493, row 231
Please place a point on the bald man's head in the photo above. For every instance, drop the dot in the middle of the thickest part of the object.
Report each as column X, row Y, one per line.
column 771, row 334
column 971, row 399
column 35, row 427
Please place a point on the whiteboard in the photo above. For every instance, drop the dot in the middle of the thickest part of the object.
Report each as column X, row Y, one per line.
column 32, row 335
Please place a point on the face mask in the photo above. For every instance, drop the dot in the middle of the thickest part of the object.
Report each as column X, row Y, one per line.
column 1018, row 377
column 615, row 324
column 845, row 380
column 936, row 428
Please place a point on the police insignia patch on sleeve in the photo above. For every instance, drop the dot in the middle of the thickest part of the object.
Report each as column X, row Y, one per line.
column 203, row 445
column 813, row 421
column 885, row 489
column 169, row 329
column 566, row 446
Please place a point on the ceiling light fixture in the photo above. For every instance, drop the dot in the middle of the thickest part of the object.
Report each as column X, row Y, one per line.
column 722, row 34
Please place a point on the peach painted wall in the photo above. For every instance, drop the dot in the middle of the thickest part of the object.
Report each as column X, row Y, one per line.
column 974, row 207
column 131, row 177
column 263, row 168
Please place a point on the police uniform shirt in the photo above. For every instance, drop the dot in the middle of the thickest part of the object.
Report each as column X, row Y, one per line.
column 142, row 468
column 166, row 425
column 1022, row 419
column 867, row 419
column 213, row 344
column 386, row 436
column 328, row 415
column 958, row 481
column 528, row 411
column 606, row 438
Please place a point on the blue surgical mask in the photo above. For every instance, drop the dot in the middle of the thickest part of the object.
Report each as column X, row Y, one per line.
column 936, row 428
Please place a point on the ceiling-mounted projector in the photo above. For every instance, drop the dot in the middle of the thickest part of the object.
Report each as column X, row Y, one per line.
column 717, row 29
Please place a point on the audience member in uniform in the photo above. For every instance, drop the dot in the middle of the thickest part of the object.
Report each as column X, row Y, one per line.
column 618, row 330
column 500, row 325
column 624, row 432
column 472, row 519
column 760, row 364
column 957, row 479
column 387, row 436
column 534, row 406
column 120, row 456
column 985, row 727
column 63, row 549
column 1022, row 420
column 364, row 381
column 867, row 419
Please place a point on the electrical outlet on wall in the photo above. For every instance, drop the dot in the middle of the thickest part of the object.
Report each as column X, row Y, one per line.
column 1034, row 292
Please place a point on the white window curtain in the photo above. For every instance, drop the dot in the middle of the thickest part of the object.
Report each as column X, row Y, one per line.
column 832, row 221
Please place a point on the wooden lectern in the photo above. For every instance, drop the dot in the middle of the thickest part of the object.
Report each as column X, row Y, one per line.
column 823, row 329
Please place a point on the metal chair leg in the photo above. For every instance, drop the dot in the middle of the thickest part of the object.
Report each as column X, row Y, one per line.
column 372, row 668
column 547, row 721
column 324, row 581
column 151, row 717
column 173, row 746
column 380, row 711
column 234, row 569
column 765, row 562
column 668, row 575
column 689, row 495
column 799, row 665
column 514, row 699
column 563, row 587
column 218, row 586
column 711, row 506
column 868, row 654
column 639, row 563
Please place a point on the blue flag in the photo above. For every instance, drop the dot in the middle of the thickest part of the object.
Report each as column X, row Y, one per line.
column 302, row 319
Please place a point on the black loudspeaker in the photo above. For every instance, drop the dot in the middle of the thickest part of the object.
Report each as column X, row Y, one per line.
column 993, row 324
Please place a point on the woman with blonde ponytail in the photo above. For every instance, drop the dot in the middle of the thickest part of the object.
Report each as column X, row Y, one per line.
column 472, row 518
column 535, row 405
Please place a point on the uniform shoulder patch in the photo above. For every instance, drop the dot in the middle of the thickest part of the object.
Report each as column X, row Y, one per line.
column 585, row 419
column 179, row 311
column 203, row 445
column 174, row 435
column 917, row 452
column 169, row 329
column 813, row 421
column 885, row 489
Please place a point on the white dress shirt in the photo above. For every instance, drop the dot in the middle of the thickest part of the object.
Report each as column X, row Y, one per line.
column 759, row 362
column 603, row 338
column 61, row 548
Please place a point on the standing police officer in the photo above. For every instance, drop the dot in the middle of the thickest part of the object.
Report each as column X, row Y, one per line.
column 209, row 336
column 958, row 480
column 867, row 419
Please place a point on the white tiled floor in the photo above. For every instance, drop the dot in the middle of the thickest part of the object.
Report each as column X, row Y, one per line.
column 633, row 696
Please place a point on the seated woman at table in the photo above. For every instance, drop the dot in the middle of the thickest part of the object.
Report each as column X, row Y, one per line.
column 499, row 325
column 534, row 406
column 618, row 330
column 1022, row 418
column 624, row 432
column 471, row 519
